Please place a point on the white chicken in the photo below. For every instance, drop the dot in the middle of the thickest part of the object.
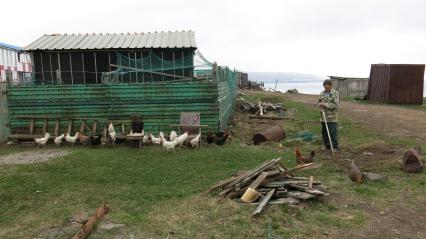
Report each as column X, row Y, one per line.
column 154, row 139
column 146, row 139
column 182, row 138
column 71, row 139
column 168, row 145
column 173, row 135
column 42, row 141
column 195, row 141
column 58, row 140
column 112, row 134
column 161, row 135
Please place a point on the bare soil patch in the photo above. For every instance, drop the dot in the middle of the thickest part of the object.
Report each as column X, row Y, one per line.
column 386, row 120
column 30, row 157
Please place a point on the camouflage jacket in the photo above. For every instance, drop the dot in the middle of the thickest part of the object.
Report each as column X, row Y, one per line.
column 332, row 103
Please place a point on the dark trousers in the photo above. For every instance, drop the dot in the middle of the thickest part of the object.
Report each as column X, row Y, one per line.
column 332, row 127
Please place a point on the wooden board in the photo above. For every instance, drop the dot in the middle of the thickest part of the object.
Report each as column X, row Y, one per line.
column 264, row 202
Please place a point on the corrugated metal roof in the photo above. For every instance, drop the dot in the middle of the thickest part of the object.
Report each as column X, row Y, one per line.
column 177, row 39
column 4, row 45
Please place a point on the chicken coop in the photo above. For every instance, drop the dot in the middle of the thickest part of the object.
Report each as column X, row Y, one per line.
column 396, row 83
column 82, row 81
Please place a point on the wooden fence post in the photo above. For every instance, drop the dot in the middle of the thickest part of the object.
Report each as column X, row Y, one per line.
column 4, row 113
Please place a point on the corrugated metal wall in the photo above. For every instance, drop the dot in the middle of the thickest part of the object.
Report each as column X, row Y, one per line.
column 160, row 104
column 350, row 87
column 396, row 84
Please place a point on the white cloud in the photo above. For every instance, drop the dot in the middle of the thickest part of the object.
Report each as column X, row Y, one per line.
column 340, row 37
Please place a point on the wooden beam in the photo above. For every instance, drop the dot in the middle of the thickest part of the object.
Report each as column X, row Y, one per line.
column 84, row 73
column 96, row 67
column 258, row 180
column 44, row 126
column 42, row 66
column 31, row 126
column 57, row 124
column 51, row 70
column 264, row 202
column 82, row 127
column 72, row 77
column 69, row 126
column 94, row 126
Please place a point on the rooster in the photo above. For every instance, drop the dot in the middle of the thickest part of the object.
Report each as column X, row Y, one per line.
column 168, row 145
column 195, row 141
column 354, row 173
column 154, row 139
column 58, row 140
column 42, row 141
column 173, row 135
column 112, row 134
column 182, row 138
column 71, row 139
column 300, row 159
column 218, row 138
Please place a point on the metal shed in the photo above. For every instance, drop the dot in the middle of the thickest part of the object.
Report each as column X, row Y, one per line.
column 396, row 83
column 350, row 86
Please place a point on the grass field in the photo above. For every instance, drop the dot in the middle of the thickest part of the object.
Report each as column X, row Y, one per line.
column 157, row 195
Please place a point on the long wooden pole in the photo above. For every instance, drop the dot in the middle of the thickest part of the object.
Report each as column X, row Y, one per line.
column 328, row 132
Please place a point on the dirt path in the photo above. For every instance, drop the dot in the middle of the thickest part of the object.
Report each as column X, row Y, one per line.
column 385, row 120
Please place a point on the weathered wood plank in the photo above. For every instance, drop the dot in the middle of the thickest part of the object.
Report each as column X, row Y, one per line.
column 264, row 202
column 31, row 126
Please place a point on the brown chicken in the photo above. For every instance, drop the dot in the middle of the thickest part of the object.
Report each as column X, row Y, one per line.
column 84, row 139
column 300, row 159
column 354, row 173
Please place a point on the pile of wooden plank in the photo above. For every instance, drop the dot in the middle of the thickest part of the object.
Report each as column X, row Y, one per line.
column 261, row 107
column 270, row 183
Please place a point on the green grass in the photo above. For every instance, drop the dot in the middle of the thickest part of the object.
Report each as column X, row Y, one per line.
column 156, row 194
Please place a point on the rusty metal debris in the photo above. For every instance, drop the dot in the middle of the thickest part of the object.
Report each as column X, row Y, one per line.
column 89, row 225
column 275, row 133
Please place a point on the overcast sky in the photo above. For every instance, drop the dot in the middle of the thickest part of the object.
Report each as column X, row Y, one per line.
column 324, row 37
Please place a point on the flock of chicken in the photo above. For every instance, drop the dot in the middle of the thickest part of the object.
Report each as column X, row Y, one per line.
column 109, row 136
column 354, row 173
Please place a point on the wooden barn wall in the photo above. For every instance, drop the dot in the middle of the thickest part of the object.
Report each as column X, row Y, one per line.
column 351, row 87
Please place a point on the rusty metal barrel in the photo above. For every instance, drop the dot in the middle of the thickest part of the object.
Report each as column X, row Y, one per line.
column 275, row 133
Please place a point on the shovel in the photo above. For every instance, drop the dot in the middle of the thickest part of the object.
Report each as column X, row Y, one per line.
column 328, row 133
